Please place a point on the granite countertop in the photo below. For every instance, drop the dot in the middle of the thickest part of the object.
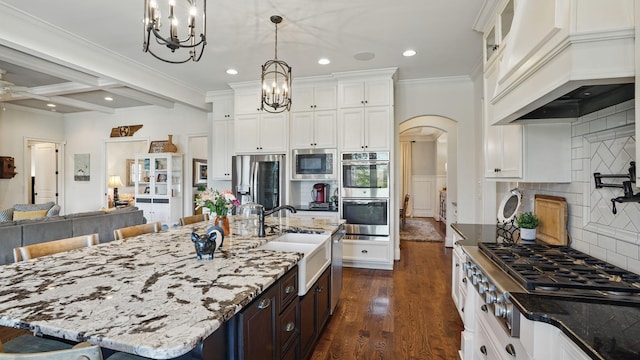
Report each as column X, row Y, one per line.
column 146, row 295
column 603, row 331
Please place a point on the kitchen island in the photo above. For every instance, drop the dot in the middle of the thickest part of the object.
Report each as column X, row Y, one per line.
column 146, row 295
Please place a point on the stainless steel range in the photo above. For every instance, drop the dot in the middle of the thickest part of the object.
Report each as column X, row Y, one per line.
column 563, row 271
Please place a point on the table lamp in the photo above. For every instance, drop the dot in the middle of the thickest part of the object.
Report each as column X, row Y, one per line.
column 114, row 182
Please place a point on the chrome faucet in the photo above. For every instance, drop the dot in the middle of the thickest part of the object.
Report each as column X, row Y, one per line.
column 262, row 214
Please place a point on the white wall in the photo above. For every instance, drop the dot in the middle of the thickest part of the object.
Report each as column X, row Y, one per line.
column 16, row 123
column 453, row 98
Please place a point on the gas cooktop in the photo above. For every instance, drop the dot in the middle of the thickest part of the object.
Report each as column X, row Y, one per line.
column 561, row 270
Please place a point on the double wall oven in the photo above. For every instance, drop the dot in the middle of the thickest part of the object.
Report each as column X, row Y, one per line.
column 365, row 195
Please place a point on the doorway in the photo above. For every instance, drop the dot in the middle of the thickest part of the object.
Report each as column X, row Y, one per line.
column 46, row 171
column 119, row 155
column 448, row 180
column 197, row 148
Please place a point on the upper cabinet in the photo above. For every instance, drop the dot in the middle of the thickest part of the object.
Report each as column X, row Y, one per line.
column 223, row 107
column 309, row 97
column 223, row 149
column 365, row 93
column 261, row 133
column 547, row 49
column 495, row 37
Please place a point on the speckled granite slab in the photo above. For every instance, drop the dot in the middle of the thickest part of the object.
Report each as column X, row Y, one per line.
column 147, row 295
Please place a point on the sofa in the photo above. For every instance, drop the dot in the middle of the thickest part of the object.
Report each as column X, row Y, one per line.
column 27, row 232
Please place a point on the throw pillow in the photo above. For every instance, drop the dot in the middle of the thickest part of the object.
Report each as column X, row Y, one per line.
column 6, row 215
column 54, row 211
column 23, row 215
column 32, row 207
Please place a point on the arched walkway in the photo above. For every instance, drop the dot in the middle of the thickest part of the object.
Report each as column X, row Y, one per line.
column 451, row 128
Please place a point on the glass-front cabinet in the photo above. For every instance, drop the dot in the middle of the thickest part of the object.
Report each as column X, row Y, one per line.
column 158, row 186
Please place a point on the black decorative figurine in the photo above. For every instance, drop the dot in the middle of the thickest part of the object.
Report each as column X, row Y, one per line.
column 208, row 244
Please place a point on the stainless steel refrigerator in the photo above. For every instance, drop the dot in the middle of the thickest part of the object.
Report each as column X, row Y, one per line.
column 260, row 179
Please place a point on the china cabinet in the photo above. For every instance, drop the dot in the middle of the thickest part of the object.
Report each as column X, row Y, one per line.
column 158, row 186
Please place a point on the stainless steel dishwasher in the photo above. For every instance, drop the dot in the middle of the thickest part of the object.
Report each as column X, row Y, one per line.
column 336, row 266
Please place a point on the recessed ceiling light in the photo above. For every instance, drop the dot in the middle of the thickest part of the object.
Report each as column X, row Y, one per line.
column 51, row 105
column 364, row 56
column 232, row 72
column 409, row 52
column 324, row 61
column 108, row 98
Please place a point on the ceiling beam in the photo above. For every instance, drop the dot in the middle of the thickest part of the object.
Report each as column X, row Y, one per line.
column 81, row 104
column 140, row 96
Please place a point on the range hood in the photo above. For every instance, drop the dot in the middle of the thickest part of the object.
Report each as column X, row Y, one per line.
column 582, row 101
column 564, row 60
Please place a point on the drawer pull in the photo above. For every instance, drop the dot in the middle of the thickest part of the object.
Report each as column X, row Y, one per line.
column 511, row 350
column 319, row 289
column 290, row 326
column 483, row 350
column 289, row 289
column 264, row 303
column 484, row 308
column 365, row 251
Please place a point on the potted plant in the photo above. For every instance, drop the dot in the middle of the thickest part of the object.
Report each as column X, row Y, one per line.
column 528, row 222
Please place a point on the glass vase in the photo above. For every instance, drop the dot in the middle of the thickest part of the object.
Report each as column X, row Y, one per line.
column 223, row 222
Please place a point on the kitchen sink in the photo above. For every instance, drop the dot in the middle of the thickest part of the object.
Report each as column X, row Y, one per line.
column 317, row 255
column 302, row 238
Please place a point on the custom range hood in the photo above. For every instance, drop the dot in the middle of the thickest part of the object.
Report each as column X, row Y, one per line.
column 565, row 59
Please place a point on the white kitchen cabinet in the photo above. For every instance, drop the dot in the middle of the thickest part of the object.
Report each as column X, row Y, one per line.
column 545, row 341
column 495, row 37
column 365, row 128
column 223, row 107
column 223, row 149
column 458, row 278
column 313, row 129
column 247, row 100
column 158, row 186
column 365, row 93
column 367, row 254
column 321, row 97
column 261, row 133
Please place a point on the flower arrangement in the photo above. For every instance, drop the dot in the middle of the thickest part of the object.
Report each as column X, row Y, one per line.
column 218, row 202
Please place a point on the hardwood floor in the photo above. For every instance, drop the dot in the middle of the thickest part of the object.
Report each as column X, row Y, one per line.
column 404, row 314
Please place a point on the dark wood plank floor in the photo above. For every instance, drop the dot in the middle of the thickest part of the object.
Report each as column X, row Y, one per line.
column 404, row 314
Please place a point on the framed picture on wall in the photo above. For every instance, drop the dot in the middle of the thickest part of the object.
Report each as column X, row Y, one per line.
column 199, row 172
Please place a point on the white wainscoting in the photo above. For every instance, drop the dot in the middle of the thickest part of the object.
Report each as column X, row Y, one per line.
column 423, row 196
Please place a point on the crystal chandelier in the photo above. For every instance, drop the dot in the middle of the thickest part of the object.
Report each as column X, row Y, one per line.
column 188, row 12
column 276, row 81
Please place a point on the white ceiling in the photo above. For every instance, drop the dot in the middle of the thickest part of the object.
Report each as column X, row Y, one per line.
column 239, row 36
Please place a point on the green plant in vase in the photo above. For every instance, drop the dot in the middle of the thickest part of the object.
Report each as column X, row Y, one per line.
column 528, row 222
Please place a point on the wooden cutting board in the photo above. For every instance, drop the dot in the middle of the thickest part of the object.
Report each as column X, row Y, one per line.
column 553, row 214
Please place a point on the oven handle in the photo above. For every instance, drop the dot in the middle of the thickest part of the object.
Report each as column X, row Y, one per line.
column 373, row 162
column 364, row 202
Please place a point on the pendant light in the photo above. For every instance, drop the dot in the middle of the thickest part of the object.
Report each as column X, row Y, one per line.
column 276, row 80
column 153, row 26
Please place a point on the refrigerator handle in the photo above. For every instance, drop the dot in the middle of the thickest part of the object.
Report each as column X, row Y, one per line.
column 254, row 181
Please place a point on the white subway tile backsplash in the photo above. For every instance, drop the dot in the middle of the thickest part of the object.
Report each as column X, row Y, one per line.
column 600, row 143
column 617, row 259
column 629, row 250
column 616, row 120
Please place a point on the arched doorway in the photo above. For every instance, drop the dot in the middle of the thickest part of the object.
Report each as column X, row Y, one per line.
column 450, row 127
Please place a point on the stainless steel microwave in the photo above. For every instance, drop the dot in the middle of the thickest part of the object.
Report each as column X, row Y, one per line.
column 314, row 164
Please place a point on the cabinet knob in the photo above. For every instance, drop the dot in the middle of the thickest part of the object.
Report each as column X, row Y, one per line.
column 289, row 289
column 511, row 350
column 366, row 102
column 290, row 326
column 264, row 303
column 483, row 350
column 361, row 101
column 319, row 289
column 484, row 308
column 464, row 280
column 365, row 251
